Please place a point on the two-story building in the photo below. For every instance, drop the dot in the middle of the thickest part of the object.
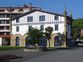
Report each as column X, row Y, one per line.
column 40, row 19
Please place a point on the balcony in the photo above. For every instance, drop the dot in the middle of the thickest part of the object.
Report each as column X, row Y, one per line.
column 4, row 24
column 4, row 18
column 4, row 30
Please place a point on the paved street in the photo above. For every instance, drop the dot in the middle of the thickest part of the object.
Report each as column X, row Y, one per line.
column 72, row 55
column 64, row 55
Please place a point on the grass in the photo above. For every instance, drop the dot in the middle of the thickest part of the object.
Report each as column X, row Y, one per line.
column 9, row 47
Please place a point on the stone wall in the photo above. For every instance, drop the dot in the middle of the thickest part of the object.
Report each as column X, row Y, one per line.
column 22, row 40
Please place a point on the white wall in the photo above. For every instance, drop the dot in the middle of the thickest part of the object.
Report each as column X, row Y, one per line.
column 49, row 21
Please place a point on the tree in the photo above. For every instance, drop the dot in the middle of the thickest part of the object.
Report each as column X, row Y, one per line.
column 35, row 34
column 77, row 25
column 48, row 33
column 76, row 32
column 61, row 39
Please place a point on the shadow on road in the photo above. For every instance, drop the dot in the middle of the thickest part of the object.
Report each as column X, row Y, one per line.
column 4, row 60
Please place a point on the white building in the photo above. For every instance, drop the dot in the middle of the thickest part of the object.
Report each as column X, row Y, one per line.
column 39, row 19
column 5, row 23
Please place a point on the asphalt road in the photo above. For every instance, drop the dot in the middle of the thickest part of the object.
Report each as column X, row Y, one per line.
column 71, row 55
column 63, row 55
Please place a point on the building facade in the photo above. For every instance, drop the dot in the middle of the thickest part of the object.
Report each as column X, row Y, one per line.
column 5, row 22
column 40, row 19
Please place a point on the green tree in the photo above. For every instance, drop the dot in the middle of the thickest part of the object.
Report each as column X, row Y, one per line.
column 35, row 34
column 48, row 33
column 76, row 32
column 77, row 25
column 61, row 39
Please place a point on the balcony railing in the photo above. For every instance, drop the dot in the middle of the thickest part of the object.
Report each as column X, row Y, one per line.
column 4, row 24
column 4, row 30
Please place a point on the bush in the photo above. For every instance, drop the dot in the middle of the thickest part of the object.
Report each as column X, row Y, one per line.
column 81, row 37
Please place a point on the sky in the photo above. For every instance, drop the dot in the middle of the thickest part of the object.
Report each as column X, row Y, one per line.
column 56, row 6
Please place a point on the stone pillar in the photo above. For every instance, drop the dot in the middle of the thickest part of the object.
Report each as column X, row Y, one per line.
column 12, row 41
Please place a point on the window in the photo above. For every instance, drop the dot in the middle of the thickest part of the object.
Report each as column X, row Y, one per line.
column 42, row 18
column 56, row 27
column 2, row 15
column 17, row 29
column 17, row 20
column 30, row 19
column 42, row 27
column 8, row 15
column 56, row 17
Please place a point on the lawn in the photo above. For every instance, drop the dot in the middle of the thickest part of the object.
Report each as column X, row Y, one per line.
column 9, row 47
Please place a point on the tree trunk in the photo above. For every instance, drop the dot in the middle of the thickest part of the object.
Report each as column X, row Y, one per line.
column 49, row 43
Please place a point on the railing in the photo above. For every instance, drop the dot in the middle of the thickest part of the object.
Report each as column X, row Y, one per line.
column 4, row 30
column 4, row 24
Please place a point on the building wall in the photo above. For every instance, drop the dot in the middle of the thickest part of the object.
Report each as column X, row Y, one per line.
column 49, row 21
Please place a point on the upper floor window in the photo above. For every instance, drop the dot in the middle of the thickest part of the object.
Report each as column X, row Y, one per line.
column 42, row 18
column 42, row 27
column 2, row 15
column 17, row 20
column 17, row 28
column 56, row 17
column 56, row 27
column 30, row 19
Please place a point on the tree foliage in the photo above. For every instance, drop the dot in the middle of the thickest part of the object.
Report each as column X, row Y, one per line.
column 35, row 34
column 48, row 33
column 77, row 25
column 61, row 39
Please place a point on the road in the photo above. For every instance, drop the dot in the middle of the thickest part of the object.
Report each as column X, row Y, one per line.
column 71, row 55
column 61, row 55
